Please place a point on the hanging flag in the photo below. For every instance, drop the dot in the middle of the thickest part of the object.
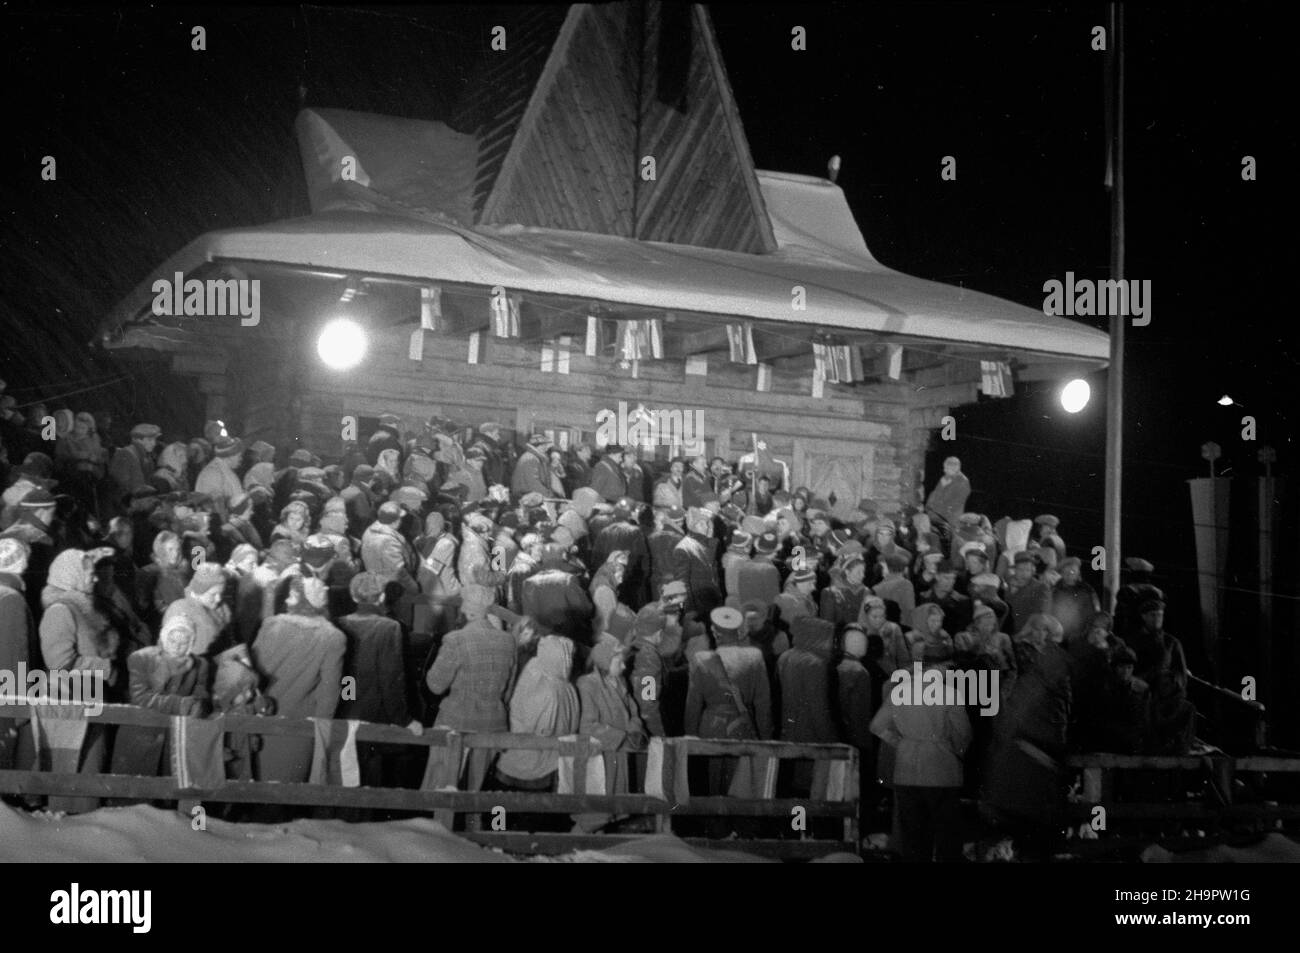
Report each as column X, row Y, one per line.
column 697, row 365
column 996, row 379
column 593, row 336
column 430, row 308
column 740, row 341
column 640, row 340
column 821, row 361
column 563, row 347
column 765, row 377
column 415, row 350
column 476, row 342
column 894, row 361
column 548, row 357
column 505, row 314
column 818, row 382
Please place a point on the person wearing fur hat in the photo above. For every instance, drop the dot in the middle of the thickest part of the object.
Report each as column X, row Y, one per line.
column 695, row 563
column 172, row 475
column 295, row 523
column 18, row 647
column 758, row 579
column 387, row 436
column 219, row 477
column 1074, row 602
column 474, row 671
column 238, row 528
column 1047, row 525
column 982, row 645
column 796, row 599
column 894, row 586
column 943, row 592
column 76, row 637
column 1027, row 595
column 170, row 678
column 204, row 606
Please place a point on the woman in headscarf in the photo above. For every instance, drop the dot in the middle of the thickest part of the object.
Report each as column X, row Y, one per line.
column 82, row 459
column 927, row 631
column 295, row 523
column 173, row 469
column 885, row 640
column 544, row 703
column 77, row 638
column 841, row 601
column 163, row 581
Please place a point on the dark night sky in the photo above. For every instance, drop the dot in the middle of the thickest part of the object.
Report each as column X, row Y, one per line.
column 157, row 144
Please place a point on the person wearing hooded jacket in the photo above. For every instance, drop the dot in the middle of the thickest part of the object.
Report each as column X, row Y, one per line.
column 807, row 712
column 544, row 703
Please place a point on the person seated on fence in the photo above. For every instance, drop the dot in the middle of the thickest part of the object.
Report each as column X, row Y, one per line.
column 169, row 678
column 928, row 743
column 474, row 670
column 300, row 654
column 610, row 716
column 1163, row 666
column 544, row 703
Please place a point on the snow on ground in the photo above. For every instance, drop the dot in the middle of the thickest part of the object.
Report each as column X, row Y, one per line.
column 147, row 834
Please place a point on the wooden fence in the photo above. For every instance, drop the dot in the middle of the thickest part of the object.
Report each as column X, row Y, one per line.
column 804, row 821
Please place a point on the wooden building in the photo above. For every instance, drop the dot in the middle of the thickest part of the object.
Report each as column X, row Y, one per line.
column 590, row 229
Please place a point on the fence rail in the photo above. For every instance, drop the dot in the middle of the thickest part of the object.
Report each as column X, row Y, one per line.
column 834, row 796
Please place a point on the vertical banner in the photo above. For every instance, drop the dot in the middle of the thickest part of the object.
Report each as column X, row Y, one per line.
column 765, row 377
column 430, row 308
column 475, row 348
column 894, row 361
column 1210, row 521
column 548, row 357
column 505, row 313
column 562, row 348
column 593, row 336
column 415, row 350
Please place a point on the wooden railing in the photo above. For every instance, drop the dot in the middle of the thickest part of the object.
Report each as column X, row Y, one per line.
column 835, row 798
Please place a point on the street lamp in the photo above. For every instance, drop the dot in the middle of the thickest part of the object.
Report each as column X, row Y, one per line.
column 1075, row 395
column 342, row 344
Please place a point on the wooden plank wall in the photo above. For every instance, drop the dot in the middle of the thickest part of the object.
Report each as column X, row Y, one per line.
column 511, row 388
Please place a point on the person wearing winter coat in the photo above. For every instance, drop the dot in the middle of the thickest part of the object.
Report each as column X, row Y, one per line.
column 204, row 606
column 475, row 671
column 532, row 473
column 553, row 596
column 948, row 498
column 1074, row 602
column 927, row 630
column 607, row 476
column 841, row 601
column 475, row 554
column 300, row 654
column 218, row 479
column 1162, row 665
column 895, row 652
column 168, row 678
column 929, row 742
column 163, row 581
column 385, row 551
column 610, row 716
column 728, row 697
column 132, row 465
column 623, row 534
column 695, row 564
column 668, row 491
column 1122, row 710
column 387, row 436
column 1027, row 595
column 894, row 586
column 436, row 575
column 18, row 647
column 544, row 703
column 655, row 640
column 807, row 706
column 855, row 707
column 77, row 638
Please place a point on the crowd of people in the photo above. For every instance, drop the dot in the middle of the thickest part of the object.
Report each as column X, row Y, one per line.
column 456, row 580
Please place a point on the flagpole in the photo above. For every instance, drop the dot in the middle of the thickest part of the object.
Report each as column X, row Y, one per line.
column 1115, row 373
